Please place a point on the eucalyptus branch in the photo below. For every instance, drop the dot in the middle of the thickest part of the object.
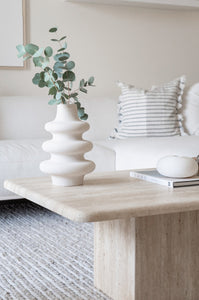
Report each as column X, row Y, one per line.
column 60, row 44
column 58, row 78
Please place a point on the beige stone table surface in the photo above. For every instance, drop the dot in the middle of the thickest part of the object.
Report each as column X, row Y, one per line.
column 106, row 196
column 146, row 235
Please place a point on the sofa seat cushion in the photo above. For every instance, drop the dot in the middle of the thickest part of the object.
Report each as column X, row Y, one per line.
column 139, row 152
column 21, row 158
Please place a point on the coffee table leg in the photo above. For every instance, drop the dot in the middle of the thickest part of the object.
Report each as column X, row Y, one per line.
column 148, row 258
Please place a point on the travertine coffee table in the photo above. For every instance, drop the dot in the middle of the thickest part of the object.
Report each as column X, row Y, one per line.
column 146, row 235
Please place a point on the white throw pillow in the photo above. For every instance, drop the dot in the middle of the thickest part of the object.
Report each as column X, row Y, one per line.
column 150, row 113
column 191, row 110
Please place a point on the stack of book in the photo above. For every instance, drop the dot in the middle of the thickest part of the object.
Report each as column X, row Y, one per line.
column 152, row 175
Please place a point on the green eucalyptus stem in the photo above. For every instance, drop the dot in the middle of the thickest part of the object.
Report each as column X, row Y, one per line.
column 54, row 82
column 60, row 44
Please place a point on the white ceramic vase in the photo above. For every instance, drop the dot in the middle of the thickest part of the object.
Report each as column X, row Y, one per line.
column 67, row 165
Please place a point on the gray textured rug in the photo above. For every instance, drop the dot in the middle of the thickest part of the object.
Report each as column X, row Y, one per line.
column 44, row 256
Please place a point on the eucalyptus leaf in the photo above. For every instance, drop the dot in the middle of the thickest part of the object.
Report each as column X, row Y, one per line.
column 49, row 84
column 47, row 69
column 67, row 88
column 65, row 96
column 41, row 61
column 53, row 29
column 58, row 68
column 81, row 84
column 78, row 105
column 61, row 49
column 63, row 57
column 31, row 49
column 36, row 79
column 42, row 84
column 58, row 95
column 54, row 76
column 45, row 62
column 62, row 38
column 47, row 77
column 84, row 117
column 52, row 102
column 57, row 56
column 70, row 65
column 59, row 73
column 42, row 75
column 61, row 85
column 63, row 100
column 73, row 95
column 68, row 76
column 58, row 65
column 38, row 53
column 37, row 61
column 52, row 91
column 80, row 112
column 48, row 51
column 21, row 50
column 91, row 80
column 83, row 90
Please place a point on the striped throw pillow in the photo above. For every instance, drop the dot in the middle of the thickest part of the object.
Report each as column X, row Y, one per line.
column 150, row 113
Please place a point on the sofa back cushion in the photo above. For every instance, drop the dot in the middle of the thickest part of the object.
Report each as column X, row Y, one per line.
column 24, row 117
column 191, row 110
column 102, row 117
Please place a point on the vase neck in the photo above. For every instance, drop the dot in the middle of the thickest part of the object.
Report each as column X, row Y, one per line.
column 67, row 112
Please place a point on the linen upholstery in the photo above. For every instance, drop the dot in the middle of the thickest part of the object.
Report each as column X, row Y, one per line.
column 150, row 113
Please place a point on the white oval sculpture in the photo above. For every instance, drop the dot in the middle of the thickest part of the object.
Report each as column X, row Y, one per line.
column 67, row 165
column 177, row 166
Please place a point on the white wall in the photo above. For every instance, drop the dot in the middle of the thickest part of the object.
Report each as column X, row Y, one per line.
column 137, row 45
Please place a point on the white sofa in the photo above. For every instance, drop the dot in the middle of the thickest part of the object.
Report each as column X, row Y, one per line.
column 22, row 132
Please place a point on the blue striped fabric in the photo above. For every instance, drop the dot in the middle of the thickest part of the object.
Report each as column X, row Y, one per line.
column 150, row 113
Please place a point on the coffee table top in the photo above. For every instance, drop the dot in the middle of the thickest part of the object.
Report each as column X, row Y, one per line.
column 106, row 196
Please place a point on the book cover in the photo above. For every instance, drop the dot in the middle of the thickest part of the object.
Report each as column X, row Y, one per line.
column 152, row 175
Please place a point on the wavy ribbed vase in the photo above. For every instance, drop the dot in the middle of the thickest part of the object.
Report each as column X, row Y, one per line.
column 67, row 165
